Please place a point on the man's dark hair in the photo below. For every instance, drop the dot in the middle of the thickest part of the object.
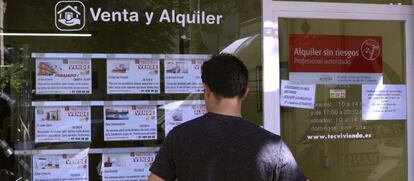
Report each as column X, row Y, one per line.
column 226, row 75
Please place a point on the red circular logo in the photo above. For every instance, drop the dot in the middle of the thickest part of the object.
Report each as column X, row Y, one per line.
column 370, row 49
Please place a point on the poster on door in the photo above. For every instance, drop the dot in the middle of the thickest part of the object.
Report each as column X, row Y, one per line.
column 335, row 59
column 384, row 102
column 133, row 76
column 62, row 124
column 63, row 76
column 130, row 123
column 183, row 76
column 61, row 167
column 182, row 114
column 127, row 166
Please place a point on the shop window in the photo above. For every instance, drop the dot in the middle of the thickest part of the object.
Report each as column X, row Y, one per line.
column 100, row 83
column 352, row 74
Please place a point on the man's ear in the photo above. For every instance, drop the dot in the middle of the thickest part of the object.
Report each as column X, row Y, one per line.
column 207, row 91
column 245, row 93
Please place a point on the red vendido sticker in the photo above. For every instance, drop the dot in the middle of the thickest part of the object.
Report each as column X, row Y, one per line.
column 333, row 53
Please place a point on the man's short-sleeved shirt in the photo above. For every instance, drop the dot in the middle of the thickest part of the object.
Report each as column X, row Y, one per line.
column 218, row 147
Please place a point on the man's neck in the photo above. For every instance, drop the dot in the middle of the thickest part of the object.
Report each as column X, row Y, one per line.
column 225, row 106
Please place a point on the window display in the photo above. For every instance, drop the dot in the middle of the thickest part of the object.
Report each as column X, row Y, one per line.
column 119, row 66
column 70, row 121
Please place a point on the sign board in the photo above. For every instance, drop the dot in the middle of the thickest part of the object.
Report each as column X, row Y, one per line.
column 335, row 59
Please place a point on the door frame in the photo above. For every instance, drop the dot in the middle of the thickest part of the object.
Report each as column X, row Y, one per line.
column 273, row 10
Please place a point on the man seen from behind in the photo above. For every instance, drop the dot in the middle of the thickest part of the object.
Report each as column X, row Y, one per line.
column 221, row 145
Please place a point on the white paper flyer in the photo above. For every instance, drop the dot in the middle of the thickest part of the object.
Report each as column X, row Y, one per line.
column 384, row 102
column 62, row 124
column 183, row 76
column 133, row 76
column 130, row 123
column 299, row 96
column 61, row 167
column 127, row 166
column 184, row 113
column 63, row 76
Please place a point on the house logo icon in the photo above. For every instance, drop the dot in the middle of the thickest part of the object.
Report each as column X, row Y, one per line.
column 70, row 15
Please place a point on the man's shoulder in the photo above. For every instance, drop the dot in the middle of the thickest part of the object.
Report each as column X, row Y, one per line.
column 211, row 121
column 189, row 125
column 258, row 130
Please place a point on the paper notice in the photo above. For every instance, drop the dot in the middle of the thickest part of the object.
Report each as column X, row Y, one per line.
column 61, row 167
column 183, row 76
column 129, row 76
column 62, row 124
column 63, row 76
column 299, row 96
column 184, row 113
column 130, row 123
column 384, row 102
column 126, row 166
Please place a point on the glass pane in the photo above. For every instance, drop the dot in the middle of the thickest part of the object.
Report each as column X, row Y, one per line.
column 338, row 139
column 91, row 46
column 391, row 2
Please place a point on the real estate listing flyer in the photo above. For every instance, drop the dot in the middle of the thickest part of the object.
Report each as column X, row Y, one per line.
column 133, row 76
column 183, row 76
column 130, row 123
column 62, row 124
column 63, row 76
column 127, row 166
column 182, row 114
column 61, row 167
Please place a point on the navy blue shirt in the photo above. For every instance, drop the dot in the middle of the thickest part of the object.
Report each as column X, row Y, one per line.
column 217, row 147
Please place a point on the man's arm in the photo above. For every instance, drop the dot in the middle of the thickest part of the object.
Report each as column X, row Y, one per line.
column 289, row 171
column 163, row 167
column 154, row 177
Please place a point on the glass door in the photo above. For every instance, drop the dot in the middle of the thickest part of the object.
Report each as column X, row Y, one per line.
column 337, row 85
